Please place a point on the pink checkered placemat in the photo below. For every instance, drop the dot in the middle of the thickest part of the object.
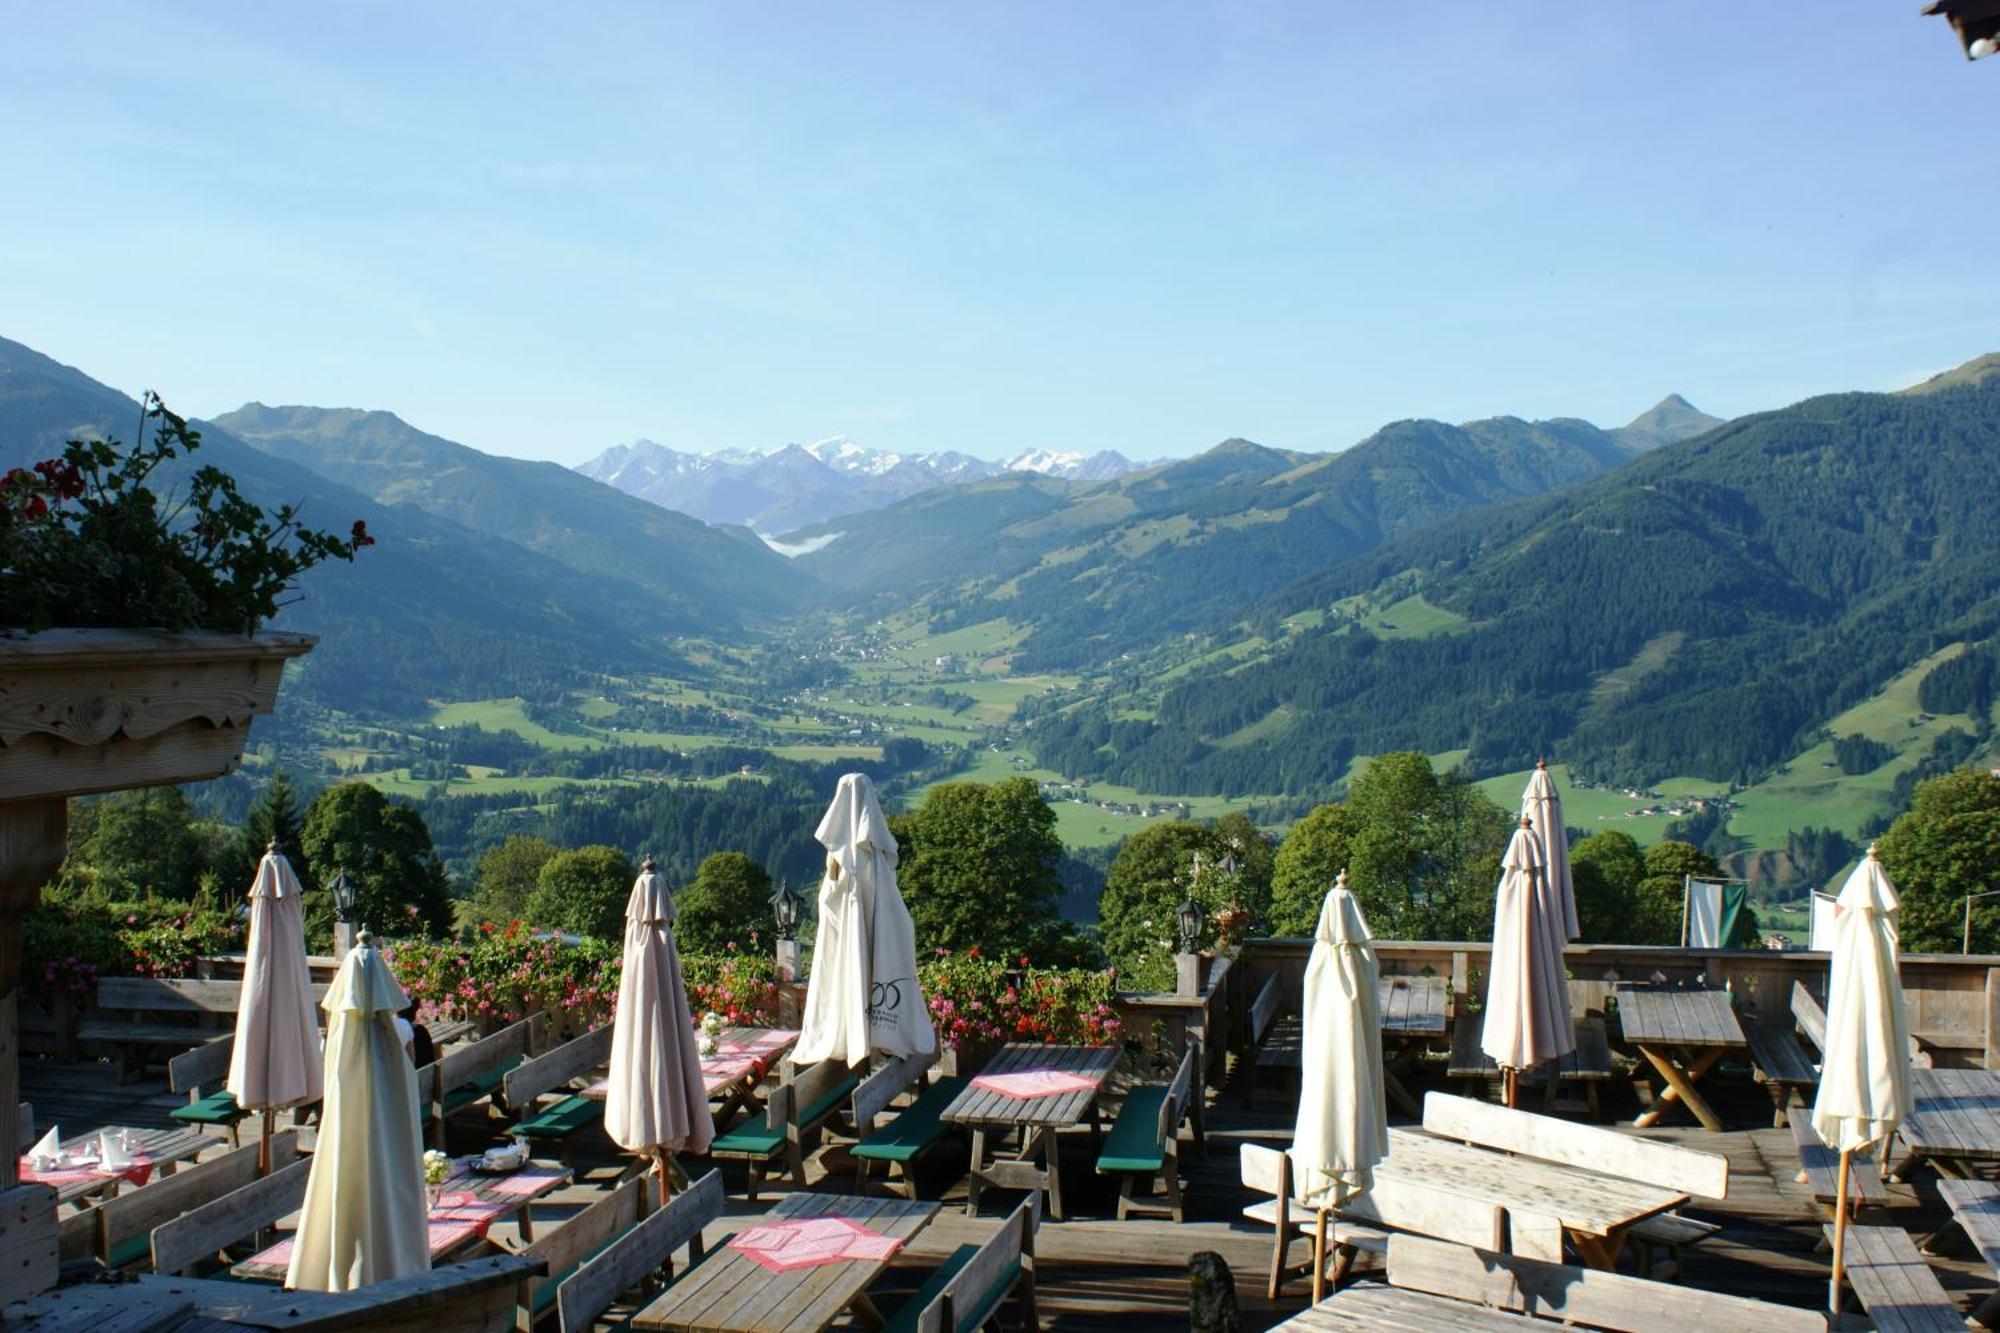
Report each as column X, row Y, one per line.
column 138, row 1173
column 523, row 1184
column 782, row 1246
column 1034, row 1083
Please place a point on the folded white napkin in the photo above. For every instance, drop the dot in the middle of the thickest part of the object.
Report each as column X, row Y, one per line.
column 110, row 1155
column 48, row 1150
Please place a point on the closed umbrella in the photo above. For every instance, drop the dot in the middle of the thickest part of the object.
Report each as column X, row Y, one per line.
column 863, row 994
column 363, row 1219
column 1527, row 992
column 1864, row 1073
column 1542, row 807
column 274, row 1062
column 1343, row 1121
column 655, row 1102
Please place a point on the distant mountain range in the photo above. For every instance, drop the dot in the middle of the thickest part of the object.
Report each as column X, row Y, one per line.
column 1095, row 570
column 775, row 490
column 1701, row 611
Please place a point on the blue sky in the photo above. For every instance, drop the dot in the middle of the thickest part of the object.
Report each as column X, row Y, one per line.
column 1141, row 226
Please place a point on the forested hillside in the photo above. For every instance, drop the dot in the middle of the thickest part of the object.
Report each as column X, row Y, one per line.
column 1700, row 611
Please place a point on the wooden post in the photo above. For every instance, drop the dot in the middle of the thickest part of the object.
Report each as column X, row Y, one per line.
column 1992, row 1034
column 31, row 849
column 264, row 1144
column 1839, row 1235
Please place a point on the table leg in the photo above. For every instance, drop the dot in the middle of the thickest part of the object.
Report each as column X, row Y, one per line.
column 1600, row 1252
column 524, row 1221
column 1052, row 1162
column 865, row 1312
column 974, row 1178
column 1987, row 1312
column 1680, row 1087
column 1096, row 1130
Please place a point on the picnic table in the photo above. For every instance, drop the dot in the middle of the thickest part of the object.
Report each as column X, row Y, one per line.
column 1546, row 1202
column 1975, row 1204
column 1412, row 1014
column 1954, row 1120
column 732, row 1292
column 1037, row 1163
column 466, row 1205
column 742, row 1057
column 1682, row 1034
column 158, row 1150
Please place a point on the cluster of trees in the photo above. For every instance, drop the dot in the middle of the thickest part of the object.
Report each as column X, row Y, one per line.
column 1944, row 848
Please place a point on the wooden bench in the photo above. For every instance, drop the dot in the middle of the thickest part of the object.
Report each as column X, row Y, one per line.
column 1605, row 1151
column 965, row 1292
column 915, row 1129
column 1809, row 1016
column 1458, row 1281
column 1589, row 1064
column 203, row 1005
column 200, row 1073
column 585, row 1235
column 1264, row 1012
column 122, row 1226
column 526, row 1083
column 205, row 1231
column 1819, row 1167
column 1782, row 1065
column 639, row 1254
column 471, row 1075
column 1894, row 1284
column 1145, row 1139
column 1268, row 1171
column 804, row 1100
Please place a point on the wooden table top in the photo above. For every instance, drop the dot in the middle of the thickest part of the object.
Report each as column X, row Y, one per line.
column 1703, row 1018
column 163, row 1147
column 978, row 1106
column 1955, row 1113
column 1412, row 1005
column 740, row 1053
column 1976, row 1205
column 1371, row 1305
column 1581, row 1200
column 733, row 1293
column 461, row 1221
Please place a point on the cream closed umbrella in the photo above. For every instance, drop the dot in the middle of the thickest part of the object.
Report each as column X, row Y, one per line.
column 1864, row 1073
column 1542, row 807
column 274, row 1062
column 1343, row 1122
column 1527, row 990
column 655, row 1102
column 863, row 994
column 363, row 1219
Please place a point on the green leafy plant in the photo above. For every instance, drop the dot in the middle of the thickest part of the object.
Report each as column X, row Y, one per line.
column 86, row 540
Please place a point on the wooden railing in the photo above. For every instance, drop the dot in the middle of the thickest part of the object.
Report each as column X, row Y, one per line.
column 1952, row 998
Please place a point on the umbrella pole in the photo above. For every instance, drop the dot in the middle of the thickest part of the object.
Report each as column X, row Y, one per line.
column 666, row 1182
column 264, row 1145
column 1839, row 1235
column 1509, row 1078
column 1319, row 1258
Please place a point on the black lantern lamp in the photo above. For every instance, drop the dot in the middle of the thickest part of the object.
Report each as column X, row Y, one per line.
column 1190, row 916
column 342, row 889
column 786, row 902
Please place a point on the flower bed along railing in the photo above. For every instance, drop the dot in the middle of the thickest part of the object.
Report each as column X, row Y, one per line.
column 980, row 1002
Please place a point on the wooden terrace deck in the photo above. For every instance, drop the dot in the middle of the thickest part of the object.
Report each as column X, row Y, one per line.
column 1098, row 1274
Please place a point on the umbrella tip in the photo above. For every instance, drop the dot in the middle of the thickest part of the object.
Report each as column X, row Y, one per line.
column 1527, row 822
column 1871, row 853
column 1542, row 764
column 364, row 940
column 271, row 847
column 649, row 865
column 1340, row 880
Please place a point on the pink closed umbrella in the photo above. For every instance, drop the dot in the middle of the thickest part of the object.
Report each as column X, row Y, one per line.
column 275, row 1062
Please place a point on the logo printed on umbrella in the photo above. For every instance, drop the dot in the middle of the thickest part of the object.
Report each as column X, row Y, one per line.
column 886, row 997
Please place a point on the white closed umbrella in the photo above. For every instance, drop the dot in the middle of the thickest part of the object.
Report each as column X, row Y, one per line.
column 1527, row 990
column 1864, row 1073
column 863, row 994
column 1343, row 1122
column 1542, row 807
column 655, row 1102
column 363, row 1219
column 274, row 1062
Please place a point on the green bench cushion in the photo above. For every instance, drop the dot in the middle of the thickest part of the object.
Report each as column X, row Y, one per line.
column 132, row 1250
column 563, row 1119
column 480, row 1085
column 968, row 1320
column 916, row 1128
column 755, row 1140
column 218, row 1108
column 1134, row 1141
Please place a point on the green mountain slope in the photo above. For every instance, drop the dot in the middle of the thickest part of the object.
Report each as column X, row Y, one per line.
column 713, row 575
column 1699, row 612
column 433, row 609
column 1095, row 571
